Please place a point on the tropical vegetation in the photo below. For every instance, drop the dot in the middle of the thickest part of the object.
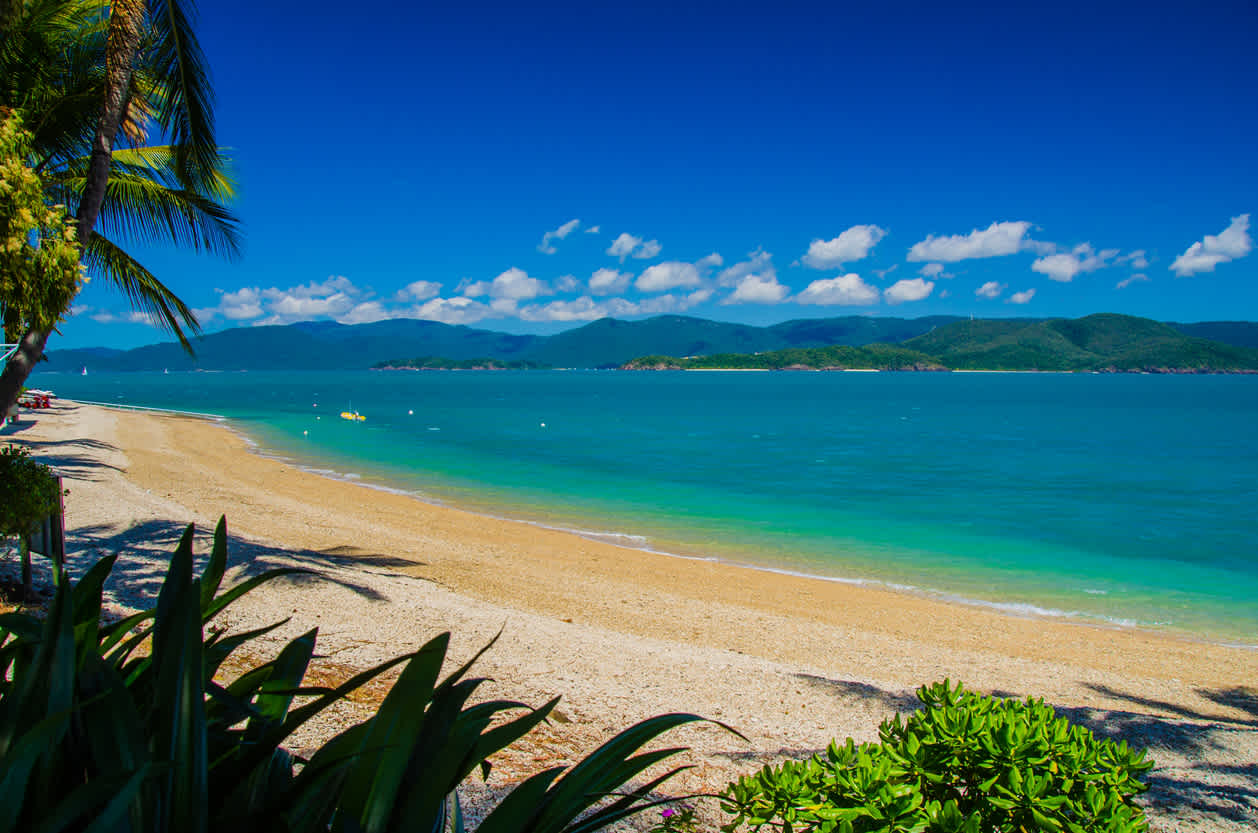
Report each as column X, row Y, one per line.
column 117, row 103
column 964, row 763
column 134, row 725
column 28, row 494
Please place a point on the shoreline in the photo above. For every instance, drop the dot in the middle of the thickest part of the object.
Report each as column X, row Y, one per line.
column 1028, row 610
column 622, row 633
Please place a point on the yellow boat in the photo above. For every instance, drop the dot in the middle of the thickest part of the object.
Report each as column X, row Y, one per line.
column 353, row 416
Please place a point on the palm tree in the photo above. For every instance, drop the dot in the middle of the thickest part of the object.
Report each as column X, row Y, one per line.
column 93, row 81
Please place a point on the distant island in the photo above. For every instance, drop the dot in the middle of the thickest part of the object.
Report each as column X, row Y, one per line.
column 1096, row 342
column 839, row 357
column 437, row 363
column 1103, row 343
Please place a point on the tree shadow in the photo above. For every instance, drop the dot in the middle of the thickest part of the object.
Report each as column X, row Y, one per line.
column 899, row 701
column 1238, row 699
column 144, row 552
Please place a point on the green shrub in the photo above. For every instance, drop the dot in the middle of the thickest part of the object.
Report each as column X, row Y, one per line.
column 97, row 736
column 964, row 763
column 28, row 494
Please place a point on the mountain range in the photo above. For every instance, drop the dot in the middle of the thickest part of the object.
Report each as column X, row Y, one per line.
column 608, row 342
column 1102, row 342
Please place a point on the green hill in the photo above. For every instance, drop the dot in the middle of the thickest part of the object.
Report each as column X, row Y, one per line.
column 1105, row 341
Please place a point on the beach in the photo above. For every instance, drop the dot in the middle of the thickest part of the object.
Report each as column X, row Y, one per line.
column 622, row 634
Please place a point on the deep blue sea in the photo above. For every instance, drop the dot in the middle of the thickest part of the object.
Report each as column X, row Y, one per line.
column 1117, row 499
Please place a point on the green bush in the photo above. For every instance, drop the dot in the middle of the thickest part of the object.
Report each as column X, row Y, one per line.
column 96, row 735
column 964, row 763
column 28, row 494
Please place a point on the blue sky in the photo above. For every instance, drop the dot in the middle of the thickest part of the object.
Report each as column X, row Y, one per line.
column 531, row 167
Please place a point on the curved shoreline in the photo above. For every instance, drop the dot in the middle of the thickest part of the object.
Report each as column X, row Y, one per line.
column 1034, row 610
column 624, row 540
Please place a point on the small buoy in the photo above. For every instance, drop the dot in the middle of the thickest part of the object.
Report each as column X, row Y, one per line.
column 304, row 433
column 317, row 418
column 410, row 413
column 543, row 425
column 315, row 405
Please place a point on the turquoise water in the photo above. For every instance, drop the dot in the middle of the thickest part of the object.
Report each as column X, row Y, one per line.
column 1121, row 499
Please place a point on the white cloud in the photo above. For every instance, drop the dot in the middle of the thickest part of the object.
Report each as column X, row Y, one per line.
column 853, row 244
column 754, row 280
column 995, row 240
column 546, row 247
column 845, row 290
column 1022, row 297
column 758, row 262
column 452, row 311
column 419, row 291
column 366, row 313
column 129, row 317
column 609, row 282
column 1138, row 259
column 578, row 309
column 567, row 283
column 711, row 261
column 593, row 229
column 1139, row 277
column 1066, row 265
column 909, row 289
column 882, row 273
column 513, row 284
column 626, row 245
column 1231, row 244
column 648, row 250
column 931, row 270
column 991, row 289
column 758, row 289
column 333, row 298
column 242, row 304
column 671, row 274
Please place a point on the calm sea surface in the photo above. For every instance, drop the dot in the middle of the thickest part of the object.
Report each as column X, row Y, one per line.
column 1121, row 499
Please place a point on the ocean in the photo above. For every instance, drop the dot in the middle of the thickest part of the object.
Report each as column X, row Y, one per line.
column 1123, row 500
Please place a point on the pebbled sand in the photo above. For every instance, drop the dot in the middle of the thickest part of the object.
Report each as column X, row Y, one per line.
column 622, row 634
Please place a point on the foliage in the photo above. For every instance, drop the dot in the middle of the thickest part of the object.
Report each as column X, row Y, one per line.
column 167, row 181
column 98, row 735
column 39, row 259
column 964, row 763
column 28, row 491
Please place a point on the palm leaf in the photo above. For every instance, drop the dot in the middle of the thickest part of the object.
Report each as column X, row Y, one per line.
column 186, row 109
column 144, row 291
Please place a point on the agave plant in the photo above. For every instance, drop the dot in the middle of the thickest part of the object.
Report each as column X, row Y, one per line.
column 98, row 735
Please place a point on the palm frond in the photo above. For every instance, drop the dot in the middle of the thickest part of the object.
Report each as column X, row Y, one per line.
column 185, row 111
column 143, row 290
column 142, row 203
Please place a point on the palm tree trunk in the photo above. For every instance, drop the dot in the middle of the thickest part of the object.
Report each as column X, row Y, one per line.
column 126, row 18
column 20, row 365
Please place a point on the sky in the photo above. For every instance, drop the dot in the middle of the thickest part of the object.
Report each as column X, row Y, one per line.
column 533, row 167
